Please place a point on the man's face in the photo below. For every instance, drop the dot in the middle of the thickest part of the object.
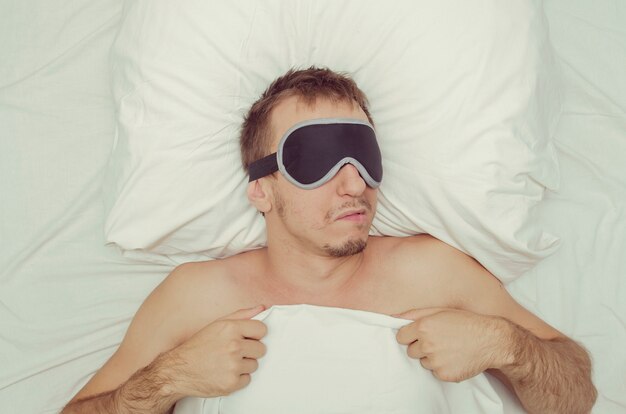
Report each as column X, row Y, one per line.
column 333, row 219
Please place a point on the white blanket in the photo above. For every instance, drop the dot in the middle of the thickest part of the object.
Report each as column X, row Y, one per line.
column 334, row 360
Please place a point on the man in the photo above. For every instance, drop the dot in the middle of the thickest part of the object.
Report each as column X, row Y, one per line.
column 193, row 335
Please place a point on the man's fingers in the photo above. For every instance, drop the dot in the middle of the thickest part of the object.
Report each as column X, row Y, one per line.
column 415, row 314
column 252, row 329
column 249, row 328
column 244, row 380
column 415, row 351
column 409, row 333
column 426, row 363
column 252, row 349
column 406, row 335
column 244, row 313
column 248, row 366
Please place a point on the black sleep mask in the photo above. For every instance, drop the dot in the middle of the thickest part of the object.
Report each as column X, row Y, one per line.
column 312, row 152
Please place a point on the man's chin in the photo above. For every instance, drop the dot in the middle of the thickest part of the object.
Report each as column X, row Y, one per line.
column 349, row 248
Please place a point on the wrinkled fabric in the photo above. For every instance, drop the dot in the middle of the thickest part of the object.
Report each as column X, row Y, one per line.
column 332, row 360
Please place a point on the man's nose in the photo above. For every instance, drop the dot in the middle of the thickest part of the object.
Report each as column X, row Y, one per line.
column 350, row 181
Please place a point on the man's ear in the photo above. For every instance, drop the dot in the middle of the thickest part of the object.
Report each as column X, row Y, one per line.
column 259, row 195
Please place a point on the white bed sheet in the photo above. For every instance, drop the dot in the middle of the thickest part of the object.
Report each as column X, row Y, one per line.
column 582, row 288
column 66, row 299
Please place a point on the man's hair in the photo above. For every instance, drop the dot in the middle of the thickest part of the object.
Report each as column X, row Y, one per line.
column 309, row 85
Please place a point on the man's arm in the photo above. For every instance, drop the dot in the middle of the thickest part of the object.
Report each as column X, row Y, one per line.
column 548, row 375
column 484, row 328
column 149, row 390
column 175, row 347
column 543, row 371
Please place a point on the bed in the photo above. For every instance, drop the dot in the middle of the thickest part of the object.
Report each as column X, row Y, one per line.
column 67, row 294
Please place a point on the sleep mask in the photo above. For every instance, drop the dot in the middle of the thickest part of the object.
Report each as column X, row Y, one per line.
column 312, row 152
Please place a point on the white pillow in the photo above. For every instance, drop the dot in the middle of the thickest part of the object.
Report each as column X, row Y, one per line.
column 332, row 360
column 463, row 94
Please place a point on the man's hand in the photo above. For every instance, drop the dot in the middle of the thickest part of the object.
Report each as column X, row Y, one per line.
column 454, row 344
column 219, row 358
column 216, row 361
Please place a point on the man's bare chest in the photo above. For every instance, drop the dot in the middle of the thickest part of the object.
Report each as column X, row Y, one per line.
column 379, row 293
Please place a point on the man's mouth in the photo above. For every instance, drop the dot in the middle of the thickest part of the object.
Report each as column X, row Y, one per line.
column 353, row 215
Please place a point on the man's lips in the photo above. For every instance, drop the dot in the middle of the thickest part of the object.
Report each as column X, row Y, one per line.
column 352, row 215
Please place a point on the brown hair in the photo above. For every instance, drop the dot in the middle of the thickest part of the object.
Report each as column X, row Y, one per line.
column 308, row 84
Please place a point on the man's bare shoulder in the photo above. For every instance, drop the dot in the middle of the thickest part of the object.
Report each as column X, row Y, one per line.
column 205, row 291
column 423, row 263
column 424, row 248
column 192, row 296
column 454, row 279
column 185, row 301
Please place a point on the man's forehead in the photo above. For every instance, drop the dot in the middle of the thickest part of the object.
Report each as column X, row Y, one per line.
column 295, row 109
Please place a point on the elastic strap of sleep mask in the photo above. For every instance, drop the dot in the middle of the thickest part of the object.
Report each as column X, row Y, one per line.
column 263, row 167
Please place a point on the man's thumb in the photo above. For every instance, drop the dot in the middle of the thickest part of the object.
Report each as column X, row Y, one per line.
column 415, row 314
column 245, row 313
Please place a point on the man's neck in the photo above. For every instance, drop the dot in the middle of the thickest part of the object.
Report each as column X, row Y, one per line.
column 301, row 274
